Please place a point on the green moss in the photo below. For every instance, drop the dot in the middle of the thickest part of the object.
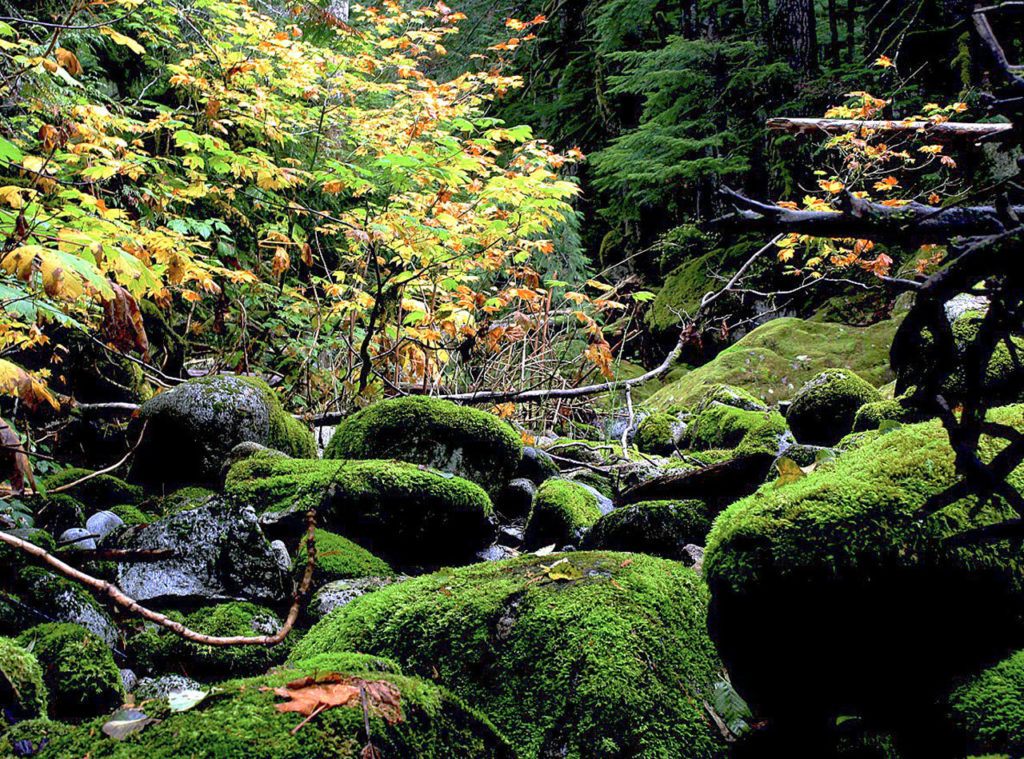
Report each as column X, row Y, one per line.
column 659, row 528
column 178, row 500
column 719, row 427
column 399, row 511
column 1004, row 378
column 615, row 662
column 242, row 723
column 289, row 435
column 132, row 514
column 562, row 511
column 59, row 512
column 78, row 669
column 871, row 415
column 14, row 560
column 987, row 711
column 338, row 558
column 98, row 492
column 436, row 433
column 727, row 395
column 682, row 292
column 22, row 693
column 773, row 361
column 62, row 600
column 850, row 587
column 824, row 409
column 157, row 649
column 655, row 434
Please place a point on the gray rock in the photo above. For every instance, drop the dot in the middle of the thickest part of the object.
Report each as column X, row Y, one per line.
column 102, row 523
column 165, row 685
column 77, row 537
column 497, row 552
column 515, row 499
column 536, row 465
column 64, row 601
column 281, row 552
column 336, row 594
column 960, row 304
column 129, row 680
column 219, row 553
column 604, row 503
column 511, row 535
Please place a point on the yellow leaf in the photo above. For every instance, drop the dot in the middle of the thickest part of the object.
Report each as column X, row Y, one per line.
column 123, row 39
column 68, row 60
column 16, row 382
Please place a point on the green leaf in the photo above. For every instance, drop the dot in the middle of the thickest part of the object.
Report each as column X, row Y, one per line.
column 10, row 152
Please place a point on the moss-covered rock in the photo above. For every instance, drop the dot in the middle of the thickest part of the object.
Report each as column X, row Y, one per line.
column 849, row 587
column 193, row 427
column 987, row 711
column 157, row 649
column 401, row 512
column 100, row 491
column 721, row 427
column 62, row 600
column 873, row 415
column 338, row 558
column 1004, row 377
column 562, row 512
column 14, row 560
column 656, row 434
column 440, row 434
column 132, row 514
column 602, row 654
column 59, row 512
column 78, row 669
column 773, row 361
column 659, row 528
column 241, row 722
column 181, row 499
column 22, row 693
column 824, row 409
column 727, row 395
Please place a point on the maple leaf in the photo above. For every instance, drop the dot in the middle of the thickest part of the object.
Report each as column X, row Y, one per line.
column 122, row 322
column 310, row 696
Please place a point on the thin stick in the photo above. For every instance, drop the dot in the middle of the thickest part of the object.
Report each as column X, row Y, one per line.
column 117, row 596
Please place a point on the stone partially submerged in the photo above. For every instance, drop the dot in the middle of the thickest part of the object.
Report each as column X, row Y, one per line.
column 587, row 654
column 192, row 428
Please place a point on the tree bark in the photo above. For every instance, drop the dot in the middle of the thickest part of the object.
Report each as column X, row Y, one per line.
column 796, row 34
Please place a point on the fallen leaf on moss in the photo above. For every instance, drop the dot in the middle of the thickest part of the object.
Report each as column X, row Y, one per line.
column 310, row 696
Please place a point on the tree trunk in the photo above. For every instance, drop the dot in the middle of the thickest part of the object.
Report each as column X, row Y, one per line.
column 796, row 34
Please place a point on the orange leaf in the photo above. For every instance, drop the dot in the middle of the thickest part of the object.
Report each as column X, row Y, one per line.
column 310, row 696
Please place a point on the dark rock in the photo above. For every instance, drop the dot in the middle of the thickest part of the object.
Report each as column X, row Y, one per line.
column 658, row 528
column 516, row 497
column 219, row 552
column 536, row 465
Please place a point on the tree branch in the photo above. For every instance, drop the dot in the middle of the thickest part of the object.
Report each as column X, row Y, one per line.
column 949, row 131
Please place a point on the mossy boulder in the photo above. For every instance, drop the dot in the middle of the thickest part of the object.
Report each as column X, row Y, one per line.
column 59, row 512
column 22, row 693
column 14, row 560
column 241, row 722
column 78, row 669
column 599, row 654
column 773, row 361
column 822, row 413
column 720, row 427
column 850, row 587
column 562, row 512
column 132, row 515
column 727, row 395
column 192, row 428
column 157, row 649
column 465, row 441
column 658, row 528
column 656, row 434
column 99, row 491
column 875, row 414
column 987, row 710
column 1004, row 376
column 338, row 558
column 398, row 511
column 62, row 600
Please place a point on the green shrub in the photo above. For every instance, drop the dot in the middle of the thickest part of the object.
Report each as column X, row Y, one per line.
column 590, row 654
column 440, row 434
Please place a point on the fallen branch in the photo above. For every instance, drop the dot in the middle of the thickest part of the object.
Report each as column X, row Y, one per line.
column 949, row 131
column 856, row 218
column 117, row 596
column 121, row 554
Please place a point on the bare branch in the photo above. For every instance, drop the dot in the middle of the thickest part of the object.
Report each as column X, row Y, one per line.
column 949, row 131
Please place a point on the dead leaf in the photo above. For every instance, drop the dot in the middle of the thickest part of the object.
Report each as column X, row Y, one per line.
column 14, row 464
column 125, row 722
column 122, row 322
column 309, row 696
column 69, row 61
column 790, row 471
column 545, row 551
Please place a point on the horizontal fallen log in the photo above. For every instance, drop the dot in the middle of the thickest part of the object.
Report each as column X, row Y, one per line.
column 946, row 132
column 911, row 224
